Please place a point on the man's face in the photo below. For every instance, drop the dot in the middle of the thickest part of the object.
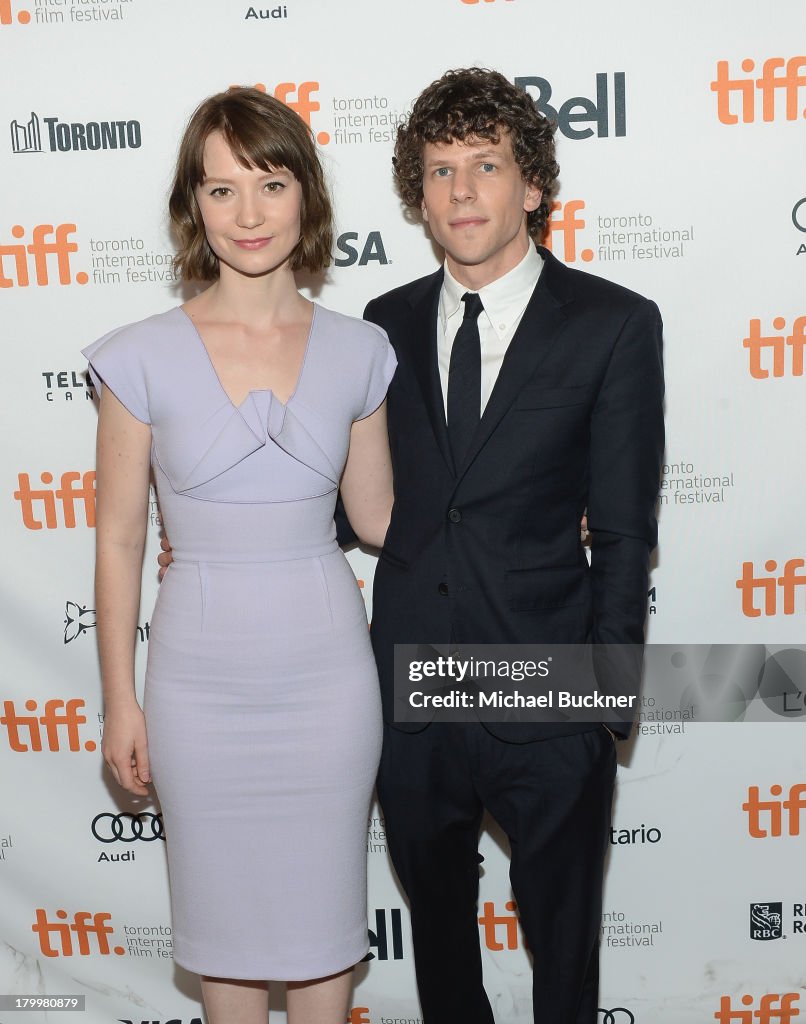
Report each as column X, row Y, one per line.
column 475, row 202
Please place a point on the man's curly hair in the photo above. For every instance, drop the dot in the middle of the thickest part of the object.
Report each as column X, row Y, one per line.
column 475, row 103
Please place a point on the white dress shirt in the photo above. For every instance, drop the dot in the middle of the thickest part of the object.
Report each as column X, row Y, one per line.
column 504, row 302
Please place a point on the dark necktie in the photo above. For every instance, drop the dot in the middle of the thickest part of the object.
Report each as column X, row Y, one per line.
column 464, row 380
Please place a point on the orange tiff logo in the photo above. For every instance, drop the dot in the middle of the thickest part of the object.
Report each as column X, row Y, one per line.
column 43, row 500
column 299, row 97
column 60, row 721
column 564, row 223
column 772, row 1009
column 14, row 257
column 756, row 344
column 479, row 1
column 7, row 14
column 770, row 586
column 490, row 922
column 359, row 1015
column 770, row 84
column 56, row 937
column 765, row 818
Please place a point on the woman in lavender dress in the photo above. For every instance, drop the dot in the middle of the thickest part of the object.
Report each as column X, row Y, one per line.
column 262, row 723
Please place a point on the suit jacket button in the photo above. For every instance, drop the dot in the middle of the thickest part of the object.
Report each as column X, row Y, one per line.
column 454, row 515
column 443, row 589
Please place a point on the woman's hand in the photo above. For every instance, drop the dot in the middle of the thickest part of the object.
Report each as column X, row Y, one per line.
column 125, row 747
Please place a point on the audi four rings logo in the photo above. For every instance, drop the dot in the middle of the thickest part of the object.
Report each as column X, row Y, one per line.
column 618, row 1015
column 126, row 827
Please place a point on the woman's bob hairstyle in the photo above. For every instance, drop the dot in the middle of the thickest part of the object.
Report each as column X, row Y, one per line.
column 261, row 132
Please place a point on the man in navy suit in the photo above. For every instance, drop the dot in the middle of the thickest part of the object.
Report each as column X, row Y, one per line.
column 526, row 392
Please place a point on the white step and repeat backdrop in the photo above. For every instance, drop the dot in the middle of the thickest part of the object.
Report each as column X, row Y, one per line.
column 681, row 142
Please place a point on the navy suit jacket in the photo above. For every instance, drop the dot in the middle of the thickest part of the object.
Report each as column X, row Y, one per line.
column 489, row 551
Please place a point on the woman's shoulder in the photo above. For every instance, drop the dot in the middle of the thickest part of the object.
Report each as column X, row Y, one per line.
column 360, row 359
column 138, row 361
column 142, row 336
column 344, row 328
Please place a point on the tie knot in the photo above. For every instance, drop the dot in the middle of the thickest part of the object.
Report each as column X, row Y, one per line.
column 473, row 305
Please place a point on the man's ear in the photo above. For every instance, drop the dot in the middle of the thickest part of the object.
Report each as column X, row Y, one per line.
column 534, row 196
column 423, row 210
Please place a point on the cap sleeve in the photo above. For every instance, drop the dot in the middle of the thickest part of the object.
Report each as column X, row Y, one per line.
column 116, row 361
column 382, row 365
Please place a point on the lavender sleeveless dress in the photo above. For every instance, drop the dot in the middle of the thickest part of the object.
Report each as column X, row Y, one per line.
column 262, row 702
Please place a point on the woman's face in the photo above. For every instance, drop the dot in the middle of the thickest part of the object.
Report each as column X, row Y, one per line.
column 251, row 217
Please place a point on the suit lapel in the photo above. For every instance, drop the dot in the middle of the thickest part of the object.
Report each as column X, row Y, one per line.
column 537, row 332
column 424, row 301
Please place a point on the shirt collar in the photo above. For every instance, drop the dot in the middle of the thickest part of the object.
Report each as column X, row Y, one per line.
column 504, row 299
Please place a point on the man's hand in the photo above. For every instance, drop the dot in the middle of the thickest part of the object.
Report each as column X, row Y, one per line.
column 165, row 557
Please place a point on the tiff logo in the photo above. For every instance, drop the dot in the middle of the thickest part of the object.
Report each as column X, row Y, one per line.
column 564, row 223
column 84, row 926
column 26, row 138
column 60, row 720
column 772, row 1009
column 772, row 822
column 490, row 921
column 303, row 104
column 748, row 583
column 769, row 85
column 67, row 494
column 359, row 1015
column 40, row 248
column 756, row 344
column 7, row 14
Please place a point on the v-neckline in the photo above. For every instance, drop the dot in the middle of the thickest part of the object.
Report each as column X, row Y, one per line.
column 253, row 391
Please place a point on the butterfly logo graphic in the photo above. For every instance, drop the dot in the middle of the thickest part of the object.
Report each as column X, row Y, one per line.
column 77, row 620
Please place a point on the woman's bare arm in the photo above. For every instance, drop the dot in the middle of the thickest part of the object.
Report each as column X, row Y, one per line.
column 366, row 484
column 122, row 466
